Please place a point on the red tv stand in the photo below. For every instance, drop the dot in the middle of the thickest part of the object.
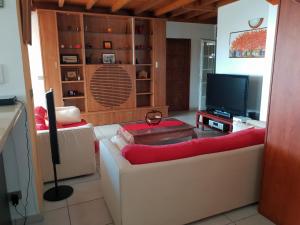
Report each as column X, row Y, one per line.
column 206, row 116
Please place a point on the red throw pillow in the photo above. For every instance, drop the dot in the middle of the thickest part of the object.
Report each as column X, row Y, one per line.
column 41, row 111
column 142, row 154
column 39, row 117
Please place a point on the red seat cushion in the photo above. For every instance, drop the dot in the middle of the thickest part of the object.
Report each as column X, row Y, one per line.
column 142, row 154
column 81, row 123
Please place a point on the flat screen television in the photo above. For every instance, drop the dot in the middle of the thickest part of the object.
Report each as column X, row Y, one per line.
column 227, row 93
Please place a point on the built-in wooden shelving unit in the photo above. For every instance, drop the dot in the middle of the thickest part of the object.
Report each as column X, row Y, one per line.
column 115, row 68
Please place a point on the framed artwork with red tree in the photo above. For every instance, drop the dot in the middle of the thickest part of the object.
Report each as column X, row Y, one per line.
column 248, row 44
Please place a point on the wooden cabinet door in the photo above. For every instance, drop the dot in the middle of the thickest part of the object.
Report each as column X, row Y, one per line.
column 280, row 196
column 159, row 62
column 50, row 54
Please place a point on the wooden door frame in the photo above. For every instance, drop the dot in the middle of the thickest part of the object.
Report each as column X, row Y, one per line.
column 30, row 112
column 190, row 63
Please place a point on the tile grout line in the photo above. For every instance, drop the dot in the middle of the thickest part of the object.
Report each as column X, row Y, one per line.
column 246, row 217
column 231, row 221
column 70, row 222
column 83, row 202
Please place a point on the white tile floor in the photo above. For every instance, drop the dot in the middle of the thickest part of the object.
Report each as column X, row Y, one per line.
column 87, row 206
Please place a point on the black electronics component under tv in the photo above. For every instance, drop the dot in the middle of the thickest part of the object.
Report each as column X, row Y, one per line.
column 61, row 192
column 226, row 94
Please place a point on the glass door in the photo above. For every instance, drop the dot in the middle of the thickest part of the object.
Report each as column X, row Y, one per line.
column 207, row 65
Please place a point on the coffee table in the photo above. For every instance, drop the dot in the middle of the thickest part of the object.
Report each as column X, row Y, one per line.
column 150, row 135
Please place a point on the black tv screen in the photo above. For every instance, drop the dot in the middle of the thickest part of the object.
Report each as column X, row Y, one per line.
column 227, row 93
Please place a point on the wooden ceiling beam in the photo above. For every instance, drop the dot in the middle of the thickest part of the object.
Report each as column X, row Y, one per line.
column 201, row 9
column 61, row 3
column 90, row 4
column 172, row 6
column 225, row 2
column 180, row 12
column 207, row 16
column 207, row 2
column 147, row 6
column 119, row 4
column 193, row 14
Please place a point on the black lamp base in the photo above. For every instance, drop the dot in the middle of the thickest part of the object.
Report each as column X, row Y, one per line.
column 58, row 193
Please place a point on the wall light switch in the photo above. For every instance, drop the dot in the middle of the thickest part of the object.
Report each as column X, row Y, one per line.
column 1, row 74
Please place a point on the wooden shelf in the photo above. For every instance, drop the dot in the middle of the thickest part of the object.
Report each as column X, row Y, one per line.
column 74, row 97
column 71, row 48
column 69, row 31
column 95, row 64
column 143, row 64
column 144, row 93
column 143, row 34
column 148, row 79
column 70, row 65
column 146, row 49
column 106, row 33
column 105, row 49
column 72, row 81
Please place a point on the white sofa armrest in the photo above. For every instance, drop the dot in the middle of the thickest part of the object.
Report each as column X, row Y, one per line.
column 76, row 150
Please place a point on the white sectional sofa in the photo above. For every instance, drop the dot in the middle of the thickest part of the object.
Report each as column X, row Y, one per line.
column 179, row 191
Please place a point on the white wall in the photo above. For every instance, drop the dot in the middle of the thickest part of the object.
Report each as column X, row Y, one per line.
column 272, row 23
column 36, row 64
column 234, row 17
column 195, row 32
column 15, row 152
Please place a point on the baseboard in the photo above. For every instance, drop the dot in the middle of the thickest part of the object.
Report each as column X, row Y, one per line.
column 30, row 220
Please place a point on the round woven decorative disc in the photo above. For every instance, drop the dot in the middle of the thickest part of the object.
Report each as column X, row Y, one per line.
column 111, row 85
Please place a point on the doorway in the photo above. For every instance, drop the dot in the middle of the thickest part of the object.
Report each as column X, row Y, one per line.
column 178, row 73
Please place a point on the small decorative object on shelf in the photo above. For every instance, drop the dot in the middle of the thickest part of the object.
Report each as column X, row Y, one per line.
column 72, row 75
column 88, row 59
column 142, row 74
column 69, row 58
column 72, row 93
column 88, row 45
column 109, row 30
column 153, row 117
column 62, row 46
column 107, row 44
column 108, row 58
column 78, row 46
column 137, row 61
column 139, row 29
column 120, row 62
